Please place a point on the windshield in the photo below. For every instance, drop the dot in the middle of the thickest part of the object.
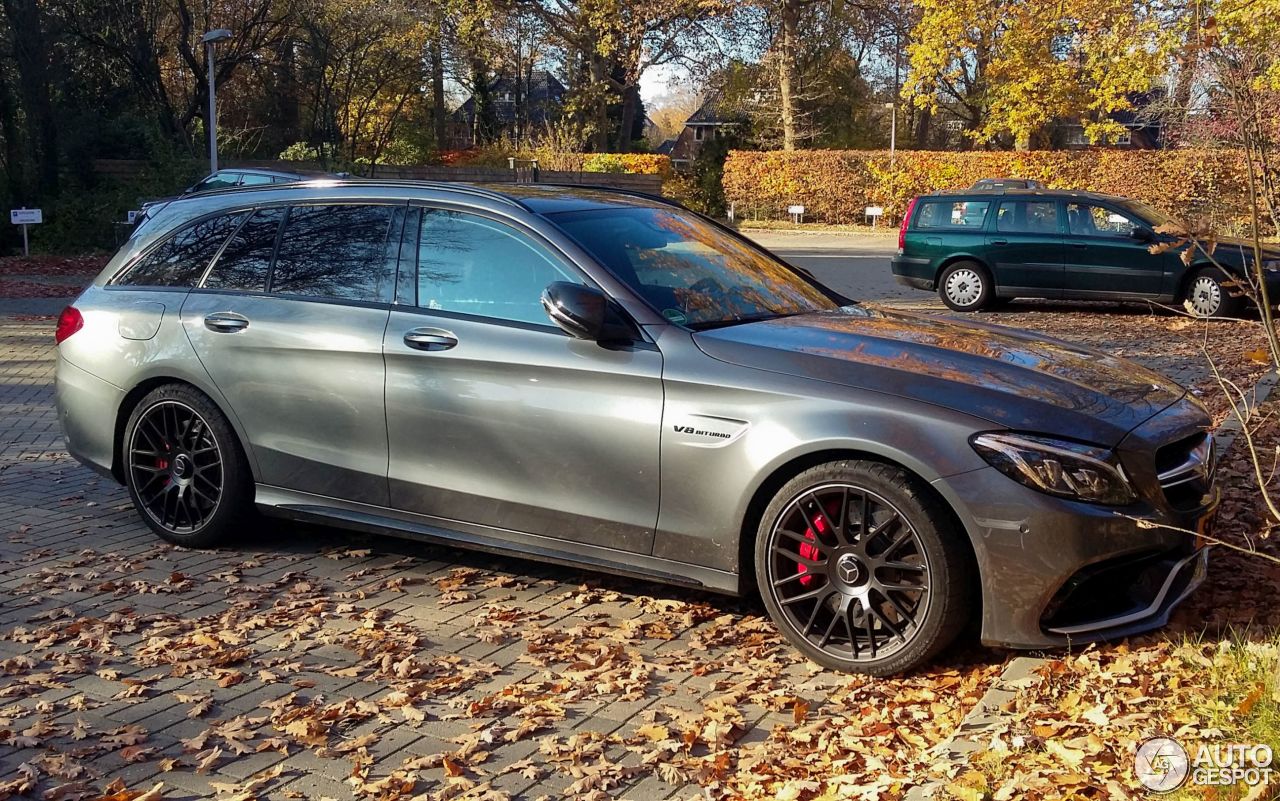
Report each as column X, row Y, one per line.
column 690, row 271
column 1151, row 216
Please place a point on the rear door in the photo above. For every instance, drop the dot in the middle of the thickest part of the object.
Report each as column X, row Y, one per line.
column 289, row 324
column 1104, row 258
column 942, row 227
column 1025, row 247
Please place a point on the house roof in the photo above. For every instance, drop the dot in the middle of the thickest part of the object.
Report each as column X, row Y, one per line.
column 542, row 91
column 666, row 147
column 713, row 112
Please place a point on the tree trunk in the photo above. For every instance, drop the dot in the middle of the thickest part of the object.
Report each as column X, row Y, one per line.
column 31, row 52
column 786, row 72
column 14, row 168
column 438, row 119
column 630, row 102
column 600, row 86
column 924, row 127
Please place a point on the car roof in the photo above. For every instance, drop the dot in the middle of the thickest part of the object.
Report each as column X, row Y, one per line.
column 536, row 198
column 1030, row 193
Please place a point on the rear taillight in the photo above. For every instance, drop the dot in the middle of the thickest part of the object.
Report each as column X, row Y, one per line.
column 906, row 220
column 69, row 322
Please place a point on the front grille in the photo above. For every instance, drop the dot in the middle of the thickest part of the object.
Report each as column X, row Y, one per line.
column 1185, row 469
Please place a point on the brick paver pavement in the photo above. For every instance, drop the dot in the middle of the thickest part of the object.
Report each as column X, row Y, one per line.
column 313, row 663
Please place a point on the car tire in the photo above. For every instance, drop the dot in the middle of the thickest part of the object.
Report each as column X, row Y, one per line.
column 966, row 286
column 1209, row 295
column 878, row 599
column 185, row 469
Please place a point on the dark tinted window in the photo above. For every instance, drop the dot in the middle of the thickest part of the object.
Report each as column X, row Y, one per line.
column 474, row 265
column 247, row 257
column 337, row 252
column 219, row 180
column 252, row 179
column 1028, row 217
column 951, row 214
column 183, row 258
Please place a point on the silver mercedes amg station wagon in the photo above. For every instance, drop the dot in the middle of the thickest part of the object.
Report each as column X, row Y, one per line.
column 611, row 381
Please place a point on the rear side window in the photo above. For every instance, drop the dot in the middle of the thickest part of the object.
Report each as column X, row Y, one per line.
column 246, row 259
column 950, row 214
column 342, row 252
column 182, row 258
column 1028, row 217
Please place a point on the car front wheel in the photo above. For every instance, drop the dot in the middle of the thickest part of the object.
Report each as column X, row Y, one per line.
column 966, row 286
column 184, row 468
column 862, row 571
column 1210, row 294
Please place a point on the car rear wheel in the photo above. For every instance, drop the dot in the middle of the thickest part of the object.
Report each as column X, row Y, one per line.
column 966, row 286
column 1209, row 294
column 860, row 570
column 184, row 468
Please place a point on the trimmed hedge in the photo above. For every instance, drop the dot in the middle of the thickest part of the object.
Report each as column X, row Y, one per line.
column 835, row 186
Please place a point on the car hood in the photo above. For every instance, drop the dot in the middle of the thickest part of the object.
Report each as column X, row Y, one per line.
column 1236, row 249
column 1012, row 379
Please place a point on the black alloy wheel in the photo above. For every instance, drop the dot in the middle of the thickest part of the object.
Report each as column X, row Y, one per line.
column 184, row 468
column 850, row 566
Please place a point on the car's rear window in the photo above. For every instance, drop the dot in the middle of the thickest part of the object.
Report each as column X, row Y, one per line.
column 952, row 214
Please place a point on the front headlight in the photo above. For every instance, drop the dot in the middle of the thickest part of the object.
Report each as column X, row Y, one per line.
column 1066, row 469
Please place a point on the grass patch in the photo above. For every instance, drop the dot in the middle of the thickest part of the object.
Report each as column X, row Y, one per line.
column 1241, row 702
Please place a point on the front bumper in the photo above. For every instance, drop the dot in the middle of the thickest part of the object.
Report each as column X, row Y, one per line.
column 1056, row 572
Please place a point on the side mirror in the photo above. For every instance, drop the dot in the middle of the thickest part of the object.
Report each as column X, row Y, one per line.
column 1143, row 234
column 585, row 313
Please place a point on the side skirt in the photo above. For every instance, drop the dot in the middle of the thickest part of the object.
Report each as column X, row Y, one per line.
column 293, row 505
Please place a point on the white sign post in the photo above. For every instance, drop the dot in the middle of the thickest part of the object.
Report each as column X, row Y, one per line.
column 25, row 217
column 875, row 213
column 796, row 212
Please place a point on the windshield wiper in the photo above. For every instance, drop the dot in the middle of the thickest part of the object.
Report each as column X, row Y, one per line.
column 754, row 318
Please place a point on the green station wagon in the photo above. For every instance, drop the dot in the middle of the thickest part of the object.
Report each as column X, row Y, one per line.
column 978, row 248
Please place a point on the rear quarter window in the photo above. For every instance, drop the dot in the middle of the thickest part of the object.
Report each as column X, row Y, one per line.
column 952, row 214
column 246, row 260
column 180, row 260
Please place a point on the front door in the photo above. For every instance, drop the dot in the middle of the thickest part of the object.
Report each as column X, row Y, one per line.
column 495, row 417
column 1025, row 248
column 297, row 349
column 1104, row 258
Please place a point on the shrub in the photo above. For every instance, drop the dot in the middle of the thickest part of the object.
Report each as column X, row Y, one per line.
column 835, row 186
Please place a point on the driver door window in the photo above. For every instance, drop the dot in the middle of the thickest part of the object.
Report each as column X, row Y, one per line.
column 1089, row 220
column 472, row 265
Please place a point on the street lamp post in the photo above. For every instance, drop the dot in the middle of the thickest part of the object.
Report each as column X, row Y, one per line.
column 893, row 130
column 210, row 39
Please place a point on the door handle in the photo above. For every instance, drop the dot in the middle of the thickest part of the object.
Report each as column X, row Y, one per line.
column 225, row 322
column 430, row 339
column 999, row 241
column 1079, row 245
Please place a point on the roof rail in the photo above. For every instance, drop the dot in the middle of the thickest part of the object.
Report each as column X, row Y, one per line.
column 448, row 186
column 666, row 201
column 461, row 188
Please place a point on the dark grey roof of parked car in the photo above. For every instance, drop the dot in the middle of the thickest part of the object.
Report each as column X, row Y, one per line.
column 535, row 198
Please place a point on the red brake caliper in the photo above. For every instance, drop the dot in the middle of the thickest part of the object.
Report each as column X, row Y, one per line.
column 808, row 551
